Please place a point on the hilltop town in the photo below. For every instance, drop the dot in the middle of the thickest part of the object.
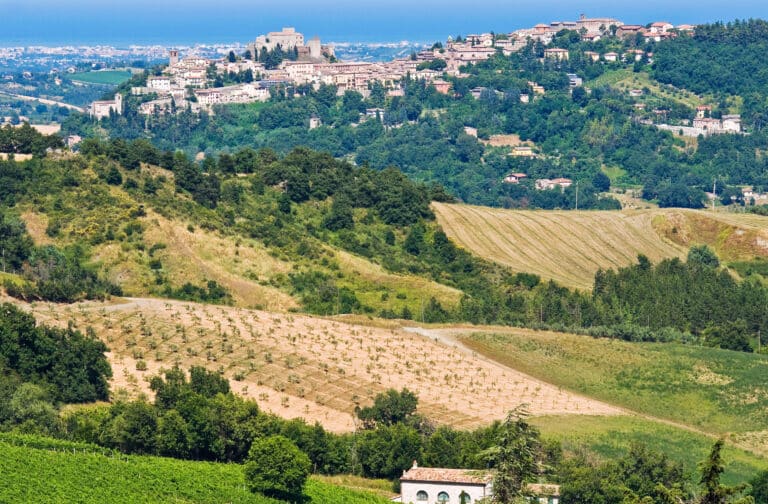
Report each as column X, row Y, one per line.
column 193, row 82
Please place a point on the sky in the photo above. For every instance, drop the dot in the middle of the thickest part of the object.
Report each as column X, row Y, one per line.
column 143, row 22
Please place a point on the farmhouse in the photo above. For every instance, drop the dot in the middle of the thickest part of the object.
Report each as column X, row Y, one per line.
column 523, row 151
column 422, row 485
column 428, row 485
column 514, row 178
column 547, row 184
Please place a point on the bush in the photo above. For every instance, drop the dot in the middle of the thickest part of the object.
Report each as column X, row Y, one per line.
column 276, row 467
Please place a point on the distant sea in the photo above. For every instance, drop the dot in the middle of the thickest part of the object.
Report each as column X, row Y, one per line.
column 171, row 22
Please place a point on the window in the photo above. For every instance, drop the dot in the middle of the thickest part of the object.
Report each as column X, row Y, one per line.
column 442, row 497
column 421, row 495
column 464, row 498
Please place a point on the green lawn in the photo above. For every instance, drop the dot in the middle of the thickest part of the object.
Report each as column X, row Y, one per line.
column 42, row 471
column 714, row 390
column 112, row 77
column 610, row 437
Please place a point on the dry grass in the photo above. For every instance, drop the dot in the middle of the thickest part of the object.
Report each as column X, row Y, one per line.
column 36, row 225
column 734, row 236
column 317, row 369
column 565, row 246
column 381, row 281
column 244, row 267
column 569, row 247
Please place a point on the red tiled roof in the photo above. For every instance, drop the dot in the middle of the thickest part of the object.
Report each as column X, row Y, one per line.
column 463, row 476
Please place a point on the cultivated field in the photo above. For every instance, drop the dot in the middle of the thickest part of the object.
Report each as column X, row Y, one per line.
column 111, row 77
column 318, row 369
column 565, row 246
column 569, row 247
column 49, row 471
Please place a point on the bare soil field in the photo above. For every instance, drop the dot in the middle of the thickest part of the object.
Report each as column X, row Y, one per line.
column 317, row 369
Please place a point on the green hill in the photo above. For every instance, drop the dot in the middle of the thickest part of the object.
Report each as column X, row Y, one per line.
column 43, row 471
column 710, row 390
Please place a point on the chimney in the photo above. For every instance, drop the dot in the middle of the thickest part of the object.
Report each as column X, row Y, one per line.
column 415, row 465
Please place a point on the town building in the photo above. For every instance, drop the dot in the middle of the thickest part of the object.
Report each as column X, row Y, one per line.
column 628, row 31
column 596, row 25
column 574, row 80
column 548, row 184
column 556, row 53
column 514, row 178
column 102, row 108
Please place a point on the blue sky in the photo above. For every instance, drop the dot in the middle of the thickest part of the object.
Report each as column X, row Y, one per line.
column 172, row 21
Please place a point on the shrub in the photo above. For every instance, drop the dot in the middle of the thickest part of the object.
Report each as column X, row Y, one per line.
column 276, row 467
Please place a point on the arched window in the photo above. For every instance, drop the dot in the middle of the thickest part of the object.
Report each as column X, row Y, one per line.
column 442, row 497
column 464, row 498
column 422, row 496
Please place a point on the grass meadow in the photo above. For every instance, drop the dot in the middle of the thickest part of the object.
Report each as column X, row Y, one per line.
column 111, row 77
column 610, row 437
column 716, row 391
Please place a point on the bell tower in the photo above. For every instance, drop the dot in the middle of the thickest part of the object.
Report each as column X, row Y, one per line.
column 173, row 57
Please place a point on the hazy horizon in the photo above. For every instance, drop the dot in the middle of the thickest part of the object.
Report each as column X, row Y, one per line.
column 146, row 22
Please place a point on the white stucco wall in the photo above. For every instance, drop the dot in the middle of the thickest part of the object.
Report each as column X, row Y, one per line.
column 409, row 489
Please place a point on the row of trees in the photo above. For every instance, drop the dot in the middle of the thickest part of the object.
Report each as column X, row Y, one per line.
column 27, row 140
column 41, row 367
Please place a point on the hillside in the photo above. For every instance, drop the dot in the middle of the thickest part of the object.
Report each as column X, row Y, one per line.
column 709, row 390
column 42, row 470
column 569, row 247
column 318, row 369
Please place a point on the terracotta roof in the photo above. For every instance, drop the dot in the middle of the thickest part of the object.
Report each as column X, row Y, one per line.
column 463, row 476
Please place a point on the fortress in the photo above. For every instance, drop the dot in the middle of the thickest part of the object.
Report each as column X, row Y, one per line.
column 289, row 39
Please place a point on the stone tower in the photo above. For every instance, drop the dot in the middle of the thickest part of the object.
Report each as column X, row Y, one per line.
column 173, row 57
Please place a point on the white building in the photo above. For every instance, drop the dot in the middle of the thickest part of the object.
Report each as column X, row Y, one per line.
column 159, row 83
column 429, row 485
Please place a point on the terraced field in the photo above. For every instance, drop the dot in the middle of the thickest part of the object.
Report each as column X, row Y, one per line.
column 569, row 247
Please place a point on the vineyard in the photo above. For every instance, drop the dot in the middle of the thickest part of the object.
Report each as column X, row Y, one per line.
column 43, row 471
